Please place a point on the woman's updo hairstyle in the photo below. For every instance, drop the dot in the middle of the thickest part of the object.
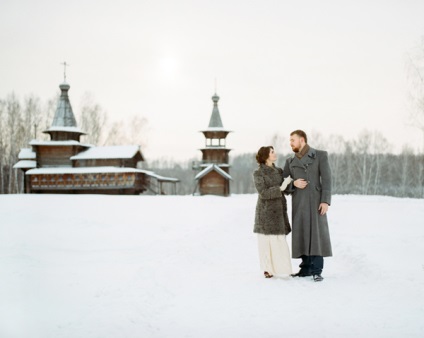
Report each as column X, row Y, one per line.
column 263, row 154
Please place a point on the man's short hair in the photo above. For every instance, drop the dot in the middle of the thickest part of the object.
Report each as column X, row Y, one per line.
column 300, row 133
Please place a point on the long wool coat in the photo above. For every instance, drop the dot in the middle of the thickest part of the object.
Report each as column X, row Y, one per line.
column 310, row 235
column 271, row 216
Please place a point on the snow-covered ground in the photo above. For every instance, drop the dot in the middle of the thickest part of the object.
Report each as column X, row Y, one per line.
column 184, row 266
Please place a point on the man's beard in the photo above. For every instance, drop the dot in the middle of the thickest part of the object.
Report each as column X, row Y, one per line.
column 295, row 149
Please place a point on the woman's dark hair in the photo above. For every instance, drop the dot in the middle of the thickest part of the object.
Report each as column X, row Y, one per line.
column 263, row 154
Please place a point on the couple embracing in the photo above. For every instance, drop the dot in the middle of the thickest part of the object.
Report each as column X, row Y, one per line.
column 307, row 178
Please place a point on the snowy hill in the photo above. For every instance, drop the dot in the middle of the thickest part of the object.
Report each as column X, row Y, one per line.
column 172, row 266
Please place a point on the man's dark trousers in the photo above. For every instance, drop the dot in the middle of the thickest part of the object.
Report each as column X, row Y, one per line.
column 311, row 265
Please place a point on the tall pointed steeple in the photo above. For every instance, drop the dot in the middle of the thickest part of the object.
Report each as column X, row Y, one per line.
column 64, row 116
column 215, row 121
column 64, row 126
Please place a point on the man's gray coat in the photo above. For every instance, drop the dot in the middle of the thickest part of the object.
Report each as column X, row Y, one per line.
column 310, row 234
column 271, row 216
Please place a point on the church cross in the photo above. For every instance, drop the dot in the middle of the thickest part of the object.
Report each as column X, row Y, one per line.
column 64, row 70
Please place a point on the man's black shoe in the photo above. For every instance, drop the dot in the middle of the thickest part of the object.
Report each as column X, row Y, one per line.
column 300, row 274
column 318, row 278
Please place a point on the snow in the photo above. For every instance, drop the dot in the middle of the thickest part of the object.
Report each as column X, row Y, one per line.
column 58, row 143
column 83, row 170
column 215, row 147
column 26, row 154
column 62, row 128
column 216, row 129
column 108, row 152
column 187, row 266
column 25, row 164
column 211, row 167
column 221, row 165
column 100, row 170
column 159, row 177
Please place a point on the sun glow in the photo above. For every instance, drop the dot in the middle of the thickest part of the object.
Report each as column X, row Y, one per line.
column 168, row 67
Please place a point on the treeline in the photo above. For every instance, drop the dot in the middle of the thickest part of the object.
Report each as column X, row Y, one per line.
column 362, row 166
column 353, row 173
column 20, row 122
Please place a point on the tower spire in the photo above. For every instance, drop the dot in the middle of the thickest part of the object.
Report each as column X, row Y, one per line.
column 64, row 70
column 64, row 125
column 215, row 121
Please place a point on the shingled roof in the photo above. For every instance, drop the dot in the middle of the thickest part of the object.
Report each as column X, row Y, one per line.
column 215, row 122
column 64, row 118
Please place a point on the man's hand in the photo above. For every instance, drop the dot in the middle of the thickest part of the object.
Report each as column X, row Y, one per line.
column 300, row 183
column 323, row 208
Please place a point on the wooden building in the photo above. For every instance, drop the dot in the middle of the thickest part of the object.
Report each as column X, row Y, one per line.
column 65, row 165
column 214, row 176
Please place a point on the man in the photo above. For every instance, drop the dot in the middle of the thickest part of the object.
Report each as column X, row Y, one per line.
column 311, row 197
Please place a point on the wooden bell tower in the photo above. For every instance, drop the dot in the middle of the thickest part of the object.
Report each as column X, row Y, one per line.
column 214, row 177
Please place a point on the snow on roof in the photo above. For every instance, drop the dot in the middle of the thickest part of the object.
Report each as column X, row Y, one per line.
column 160, row 178
column 26, row 154
column 107, row 152
column 97, row 170
column 220, row 165
column 215, row 147
column 210, row 168
column 81, row 170
column 216, row 129
column 23, row 164
column 58, row 143
column 69, row 129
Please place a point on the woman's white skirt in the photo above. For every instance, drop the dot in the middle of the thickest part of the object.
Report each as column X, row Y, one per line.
column 274, row 254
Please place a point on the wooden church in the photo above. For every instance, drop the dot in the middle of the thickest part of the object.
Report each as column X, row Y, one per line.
column 214, row 176
column 67, row 166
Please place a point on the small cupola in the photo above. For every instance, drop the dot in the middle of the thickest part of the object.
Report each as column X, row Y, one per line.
column 64, row 126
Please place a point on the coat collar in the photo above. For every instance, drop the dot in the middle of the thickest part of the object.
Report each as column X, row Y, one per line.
column 263, row 166
column 305, row 160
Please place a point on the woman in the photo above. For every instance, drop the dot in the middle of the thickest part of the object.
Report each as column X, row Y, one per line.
column 271, row 219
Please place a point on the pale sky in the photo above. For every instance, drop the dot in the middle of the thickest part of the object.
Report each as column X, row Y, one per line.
column 334, row 67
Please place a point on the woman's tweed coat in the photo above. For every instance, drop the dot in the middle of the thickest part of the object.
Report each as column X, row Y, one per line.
column 271, row 209
column 310, row 236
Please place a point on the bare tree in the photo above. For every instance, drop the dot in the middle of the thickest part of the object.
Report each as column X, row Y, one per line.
column 19, row 123
column 318, row 141
column 15, row 135
column 364, row 164
column 47, row 117
column 336, row 148
column 420, row 175
column 380, row 147
column 92, row 120
column 2, row 147
column 116, row 134
column 32, row 117
column 406, row 170
column 132, row 132
column 137, row 131
column 416, row 77
column 242, row 167
column 277, row 141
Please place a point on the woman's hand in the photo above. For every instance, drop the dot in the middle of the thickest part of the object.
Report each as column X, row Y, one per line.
column 286, row 182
